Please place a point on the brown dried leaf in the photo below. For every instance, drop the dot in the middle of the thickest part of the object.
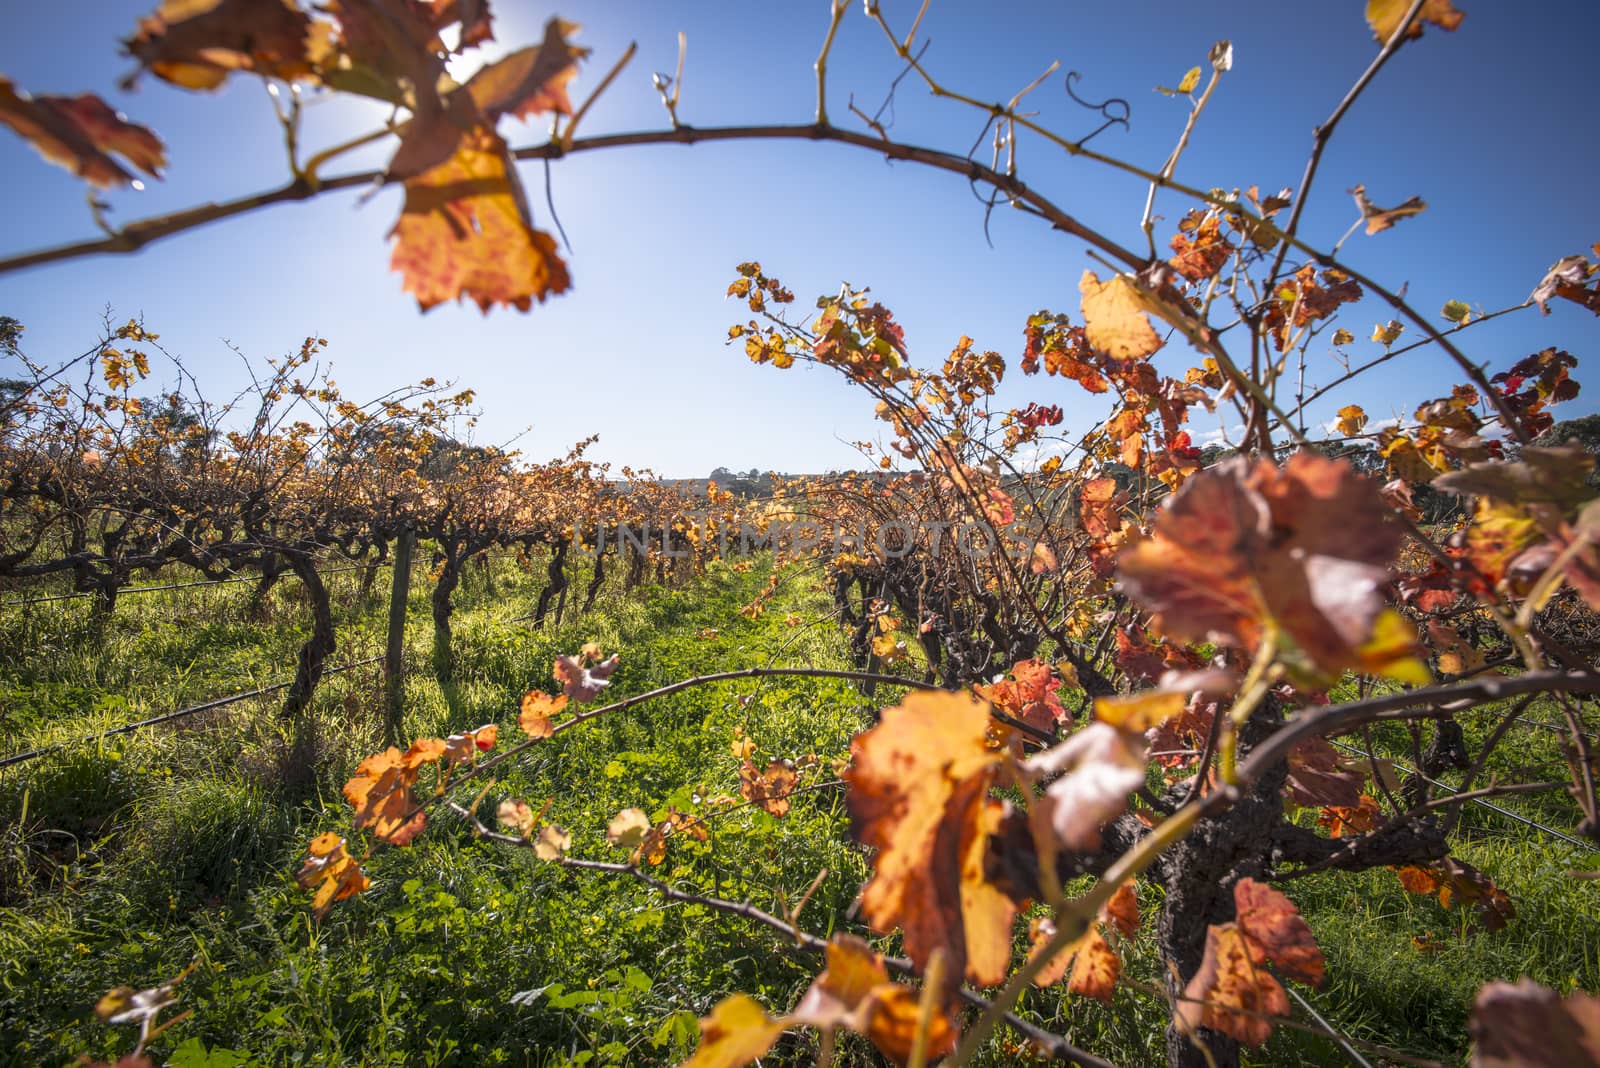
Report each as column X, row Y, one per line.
column 1380, row 219
column 1525, row 1025
column 196, row 44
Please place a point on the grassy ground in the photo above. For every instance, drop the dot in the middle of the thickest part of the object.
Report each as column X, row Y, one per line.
column 124, row 862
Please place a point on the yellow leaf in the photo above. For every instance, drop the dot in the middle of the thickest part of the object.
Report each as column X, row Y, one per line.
column 1141, row 711
column 1384, row 17
column 1190, row 80
column 1391, row 651
column 628, row 828
column 1114, row 320
column 552, row 843
column 737, row 1032
column 1351, row 420
column 1387, row 333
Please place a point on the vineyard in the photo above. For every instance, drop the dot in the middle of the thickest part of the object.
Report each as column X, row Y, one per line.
column 337, row 728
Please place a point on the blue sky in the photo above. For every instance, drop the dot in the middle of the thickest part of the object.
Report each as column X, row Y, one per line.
column 1486, row 124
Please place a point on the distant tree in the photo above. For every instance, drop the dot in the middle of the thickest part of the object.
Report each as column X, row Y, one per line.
column 1585, row 430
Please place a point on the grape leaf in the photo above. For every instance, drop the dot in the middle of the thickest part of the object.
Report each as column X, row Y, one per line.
column 537, row 710
column 769, row 789
column 1141, row 711
column 1317, row 779
column 1122, row 911
column 583, row 683
column 1380, row 219
column 628, row 828
column 1525, row 1025
column 1231, row 977
column 1270, row 920
column 1099, row 766
column 1307, row 545
column 1351, row 420
column 530, row 81
column 81, row 133
column 1199, row 249
column 196, row 44
column 1114, row 318
column 1384, row 17
column 854, row 991
column 1565, row 279
column 1030, row 695
column 518, row 816
column 464, row 232
column 737, row 1032
column 917, row 795
column 335, row 873
column 380, row 790
column 552, row 843
column 1095, row 968
column 465, row 747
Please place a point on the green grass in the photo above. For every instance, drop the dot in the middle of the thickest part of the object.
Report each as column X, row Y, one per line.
column 123, row 862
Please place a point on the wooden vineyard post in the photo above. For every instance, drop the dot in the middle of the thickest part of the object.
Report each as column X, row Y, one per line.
column 394, row 652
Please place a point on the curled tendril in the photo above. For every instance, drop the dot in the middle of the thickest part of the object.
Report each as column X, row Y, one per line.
column 1107, row 108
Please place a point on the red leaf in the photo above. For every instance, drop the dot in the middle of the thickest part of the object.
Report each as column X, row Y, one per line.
column 80, row 133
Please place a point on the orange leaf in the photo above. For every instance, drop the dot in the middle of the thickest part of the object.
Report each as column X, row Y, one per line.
column 423, row 751
column 1231, row 978
column 1123, row 910
column 854, row 971
column 768, row 789
column 1095, row 968
column 335, row 873
column 1351, row 419
column 381, row 794
column 537, row 709
column 1040, row 931
column 1140, row 711
column 895, row 1019
column 917, row 786
column 464, row 232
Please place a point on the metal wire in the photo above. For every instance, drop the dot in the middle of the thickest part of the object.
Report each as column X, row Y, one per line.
column 128, row 728
column 129, row 590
